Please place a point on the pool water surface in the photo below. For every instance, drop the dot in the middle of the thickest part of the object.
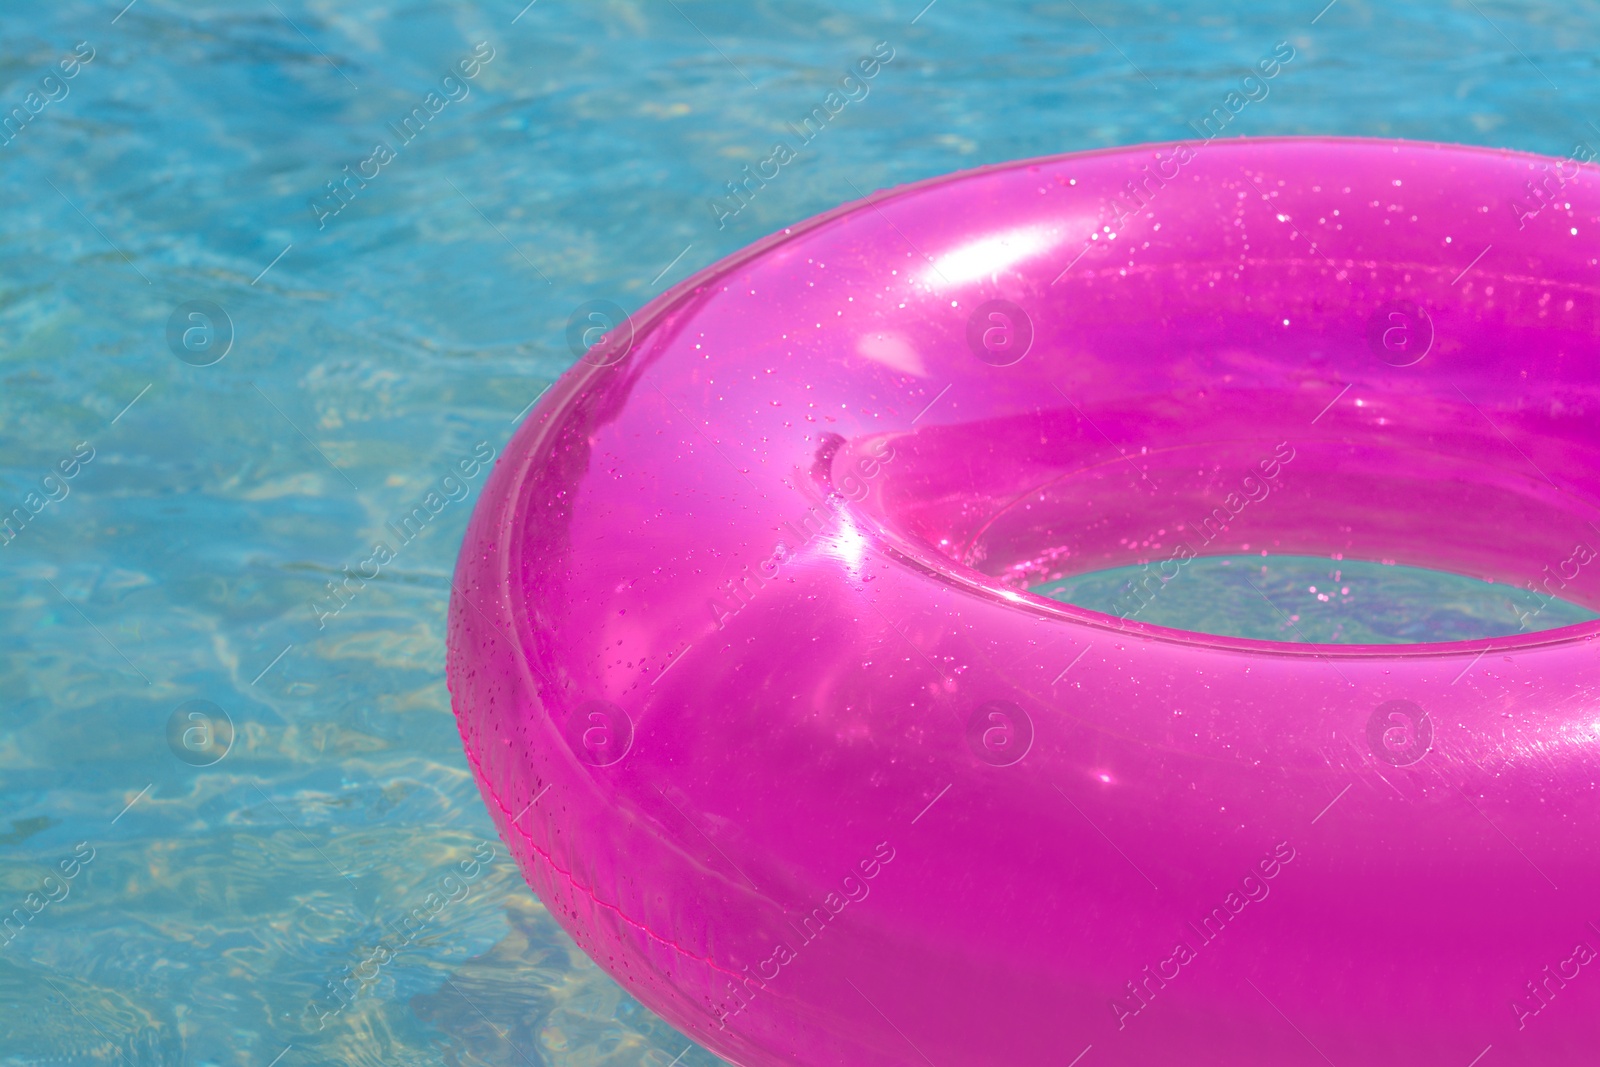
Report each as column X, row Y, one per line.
column 277, row 280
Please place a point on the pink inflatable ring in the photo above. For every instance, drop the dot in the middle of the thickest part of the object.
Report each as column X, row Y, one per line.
column 746, row 663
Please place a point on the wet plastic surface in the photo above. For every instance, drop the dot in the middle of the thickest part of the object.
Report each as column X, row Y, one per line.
column 744, row 661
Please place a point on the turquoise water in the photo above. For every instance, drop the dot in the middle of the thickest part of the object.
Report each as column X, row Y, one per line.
column 1308, row 599
column 191, row 485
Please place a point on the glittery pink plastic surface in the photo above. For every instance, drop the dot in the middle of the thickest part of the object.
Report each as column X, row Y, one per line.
column 745, row 663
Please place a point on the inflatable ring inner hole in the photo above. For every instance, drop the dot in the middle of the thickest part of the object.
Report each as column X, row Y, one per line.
column 1441, row 488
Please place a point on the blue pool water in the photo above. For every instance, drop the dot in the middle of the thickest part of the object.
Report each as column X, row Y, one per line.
column 1299, row 599
column 191, row 890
